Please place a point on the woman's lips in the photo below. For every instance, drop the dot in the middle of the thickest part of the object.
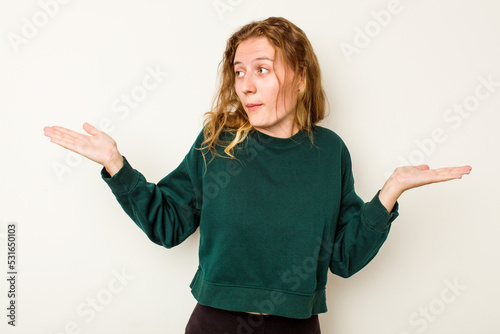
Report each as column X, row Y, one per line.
column 253, row 107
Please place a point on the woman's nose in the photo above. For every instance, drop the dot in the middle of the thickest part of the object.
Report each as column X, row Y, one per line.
column 249, row 86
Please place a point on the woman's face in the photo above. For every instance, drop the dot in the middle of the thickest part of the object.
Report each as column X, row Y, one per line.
column 257, row 69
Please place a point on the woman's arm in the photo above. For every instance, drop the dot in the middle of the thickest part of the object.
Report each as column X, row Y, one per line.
column 408, row 177
column 168, row 212
column 362, row 227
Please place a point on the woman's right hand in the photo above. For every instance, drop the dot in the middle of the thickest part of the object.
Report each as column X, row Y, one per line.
column 98, row 147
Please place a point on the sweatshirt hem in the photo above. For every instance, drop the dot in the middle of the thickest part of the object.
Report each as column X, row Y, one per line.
column 257, row 299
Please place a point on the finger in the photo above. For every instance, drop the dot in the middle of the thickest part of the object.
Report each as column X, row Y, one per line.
column 47, row 131
column 90, row 129
column 466, row 169
column 422, row 167
column 67, row 132
column 450, row 173
column 67, row 143
column 454, row 170
column 461, row 170
column 70, row 137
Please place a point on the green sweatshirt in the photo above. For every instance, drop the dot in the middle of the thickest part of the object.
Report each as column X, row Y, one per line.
column 271, row 224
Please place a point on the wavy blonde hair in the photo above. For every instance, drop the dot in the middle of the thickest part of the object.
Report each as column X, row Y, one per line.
column 228, row 115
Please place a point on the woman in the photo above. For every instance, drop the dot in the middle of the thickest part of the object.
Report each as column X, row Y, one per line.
column 271, row 191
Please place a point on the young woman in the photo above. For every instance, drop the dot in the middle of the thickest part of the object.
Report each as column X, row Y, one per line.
column 271, row 191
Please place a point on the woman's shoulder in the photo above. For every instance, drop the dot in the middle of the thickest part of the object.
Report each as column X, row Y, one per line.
column 327, row 135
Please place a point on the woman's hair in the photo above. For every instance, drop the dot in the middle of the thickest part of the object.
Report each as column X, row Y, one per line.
column 227, row 113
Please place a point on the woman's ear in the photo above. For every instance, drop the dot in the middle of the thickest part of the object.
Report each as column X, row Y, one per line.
column 302, row 82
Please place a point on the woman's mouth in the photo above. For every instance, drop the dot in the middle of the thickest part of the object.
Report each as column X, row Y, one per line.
column 253, row 107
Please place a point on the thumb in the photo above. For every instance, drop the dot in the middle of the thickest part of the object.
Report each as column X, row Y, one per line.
column 422, row 167
column 90, row 129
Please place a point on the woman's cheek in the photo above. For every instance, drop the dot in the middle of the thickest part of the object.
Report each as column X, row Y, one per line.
column 270, row 90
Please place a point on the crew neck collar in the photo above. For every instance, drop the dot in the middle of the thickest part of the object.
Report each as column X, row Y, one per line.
column 276, row 142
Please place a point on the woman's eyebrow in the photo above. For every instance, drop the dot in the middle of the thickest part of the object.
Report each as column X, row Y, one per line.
column 256, row 59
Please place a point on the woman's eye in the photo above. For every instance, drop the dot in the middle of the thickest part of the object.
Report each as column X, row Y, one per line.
column 238, row 73
column 263, row 70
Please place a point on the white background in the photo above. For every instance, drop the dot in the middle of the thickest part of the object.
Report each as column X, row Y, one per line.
column 386, row 101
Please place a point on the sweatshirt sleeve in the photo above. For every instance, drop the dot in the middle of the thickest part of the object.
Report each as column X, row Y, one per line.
column 362, row 227
column 168, row 212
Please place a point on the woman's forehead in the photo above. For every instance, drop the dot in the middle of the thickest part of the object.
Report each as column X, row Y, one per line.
column 254, row 48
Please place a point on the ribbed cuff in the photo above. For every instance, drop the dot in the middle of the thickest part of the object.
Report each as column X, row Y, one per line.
column 123, row 181
column 377, row 215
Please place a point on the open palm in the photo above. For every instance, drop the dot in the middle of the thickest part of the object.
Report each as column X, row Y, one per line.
column 98, row 147
column 415, row 176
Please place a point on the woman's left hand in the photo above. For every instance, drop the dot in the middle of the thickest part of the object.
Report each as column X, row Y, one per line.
column 408, row 177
